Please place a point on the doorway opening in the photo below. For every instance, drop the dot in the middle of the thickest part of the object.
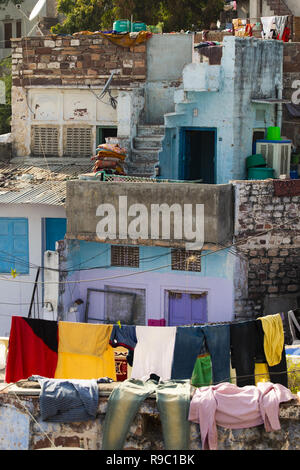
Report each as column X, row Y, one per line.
column 198, row 155
column 104, row 132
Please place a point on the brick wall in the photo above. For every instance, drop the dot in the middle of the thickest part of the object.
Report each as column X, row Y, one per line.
column 80, row 60
column 273, row 257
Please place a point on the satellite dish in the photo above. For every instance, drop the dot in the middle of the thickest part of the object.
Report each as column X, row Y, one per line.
column 106, row 86
column 37, row 9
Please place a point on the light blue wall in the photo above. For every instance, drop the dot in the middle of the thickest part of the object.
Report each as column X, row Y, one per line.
column 84, row 255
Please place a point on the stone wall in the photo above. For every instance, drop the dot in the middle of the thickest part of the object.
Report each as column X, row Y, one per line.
column 267, row 234
column 21, row 414
column 80, row 60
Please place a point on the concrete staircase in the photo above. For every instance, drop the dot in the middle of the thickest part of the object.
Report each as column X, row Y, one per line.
column 278, row 7
column 146, row 148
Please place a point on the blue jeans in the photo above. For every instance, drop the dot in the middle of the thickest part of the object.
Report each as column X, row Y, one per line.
column 173, row 402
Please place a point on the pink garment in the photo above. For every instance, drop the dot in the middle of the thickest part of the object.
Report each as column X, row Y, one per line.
column 234, row 407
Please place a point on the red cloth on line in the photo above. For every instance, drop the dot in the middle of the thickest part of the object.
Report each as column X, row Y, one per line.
column 32, row 349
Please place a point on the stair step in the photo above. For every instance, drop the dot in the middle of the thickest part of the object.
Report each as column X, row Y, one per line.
column 148, row 143
column 148, row 130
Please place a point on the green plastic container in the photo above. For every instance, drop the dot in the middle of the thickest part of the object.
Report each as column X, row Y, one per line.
column 260, row 173
column 138, row 26
column 256, row 160
column 273, row 133
column 122, row 26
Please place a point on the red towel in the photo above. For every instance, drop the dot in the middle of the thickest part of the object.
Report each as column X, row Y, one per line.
column 32, row 349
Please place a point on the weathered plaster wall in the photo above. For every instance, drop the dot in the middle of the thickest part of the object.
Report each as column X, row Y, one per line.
column 145, row 432
column 56, row 82
column 291, row 91
column 272, row 251
column 167, row 55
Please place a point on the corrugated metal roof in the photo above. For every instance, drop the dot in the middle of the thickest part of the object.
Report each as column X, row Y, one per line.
column 30, row 184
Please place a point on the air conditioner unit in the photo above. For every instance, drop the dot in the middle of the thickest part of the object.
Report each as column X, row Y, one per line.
column 277, row 155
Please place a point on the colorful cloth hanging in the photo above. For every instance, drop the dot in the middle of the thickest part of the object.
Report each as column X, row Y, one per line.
column 32, row 349
column 84, row 351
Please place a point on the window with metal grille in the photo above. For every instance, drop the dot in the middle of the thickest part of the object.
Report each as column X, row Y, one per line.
column 186, row 260
column 125, row 256
column 78, row 142
column 44, row 141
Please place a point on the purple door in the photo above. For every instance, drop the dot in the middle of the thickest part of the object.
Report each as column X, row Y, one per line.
column 186, row 309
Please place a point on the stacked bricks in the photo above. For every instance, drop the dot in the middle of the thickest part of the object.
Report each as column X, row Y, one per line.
column 267, row 230
column 81, row 60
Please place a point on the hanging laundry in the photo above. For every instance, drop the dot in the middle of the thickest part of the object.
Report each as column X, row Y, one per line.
column 202, row 373
column 84, row 351
column 32, row 349
column 273, row 338
column 280, row 22
column 154, row 352
column 278, row 372
column 173, row 402
column 188, row 343
column 65, row 401
column 233, row 407
column 243, row 351
column 268, row 23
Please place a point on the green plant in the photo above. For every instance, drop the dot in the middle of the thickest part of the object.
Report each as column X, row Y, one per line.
column 294, row 377
column 5, row 109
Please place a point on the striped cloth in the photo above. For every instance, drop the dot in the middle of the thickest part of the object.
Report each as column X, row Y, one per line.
column 67, row 401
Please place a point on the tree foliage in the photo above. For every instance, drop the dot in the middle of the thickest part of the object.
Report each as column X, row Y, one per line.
column 175, row 15
column 5, row 109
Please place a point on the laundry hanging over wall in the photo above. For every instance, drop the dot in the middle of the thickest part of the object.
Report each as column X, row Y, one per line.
column 86, row 351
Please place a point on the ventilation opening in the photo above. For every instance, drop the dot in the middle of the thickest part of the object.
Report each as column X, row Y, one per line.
column 186, row 260
column 125, row 256
column 78, row 142
column 44, row 141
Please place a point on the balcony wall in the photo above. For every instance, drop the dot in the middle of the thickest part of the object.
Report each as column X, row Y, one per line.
column 84, row 197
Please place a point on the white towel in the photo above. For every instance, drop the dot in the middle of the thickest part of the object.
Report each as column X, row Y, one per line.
column 154, row 352
column 268, row 22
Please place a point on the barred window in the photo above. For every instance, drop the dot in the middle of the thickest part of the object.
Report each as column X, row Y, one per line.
column 78, row 142
column 186, row 260
column 125, row 256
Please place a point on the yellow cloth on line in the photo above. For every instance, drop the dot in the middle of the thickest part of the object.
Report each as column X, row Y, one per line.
column 84, row 351
column 273, row 338
column 261, row 373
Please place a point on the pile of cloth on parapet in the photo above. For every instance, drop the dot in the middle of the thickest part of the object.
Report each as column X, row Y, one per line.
column 110, row 158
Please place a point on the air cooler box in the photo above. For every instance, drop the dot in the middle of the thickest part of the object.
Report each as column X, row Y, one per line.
column 277, row 155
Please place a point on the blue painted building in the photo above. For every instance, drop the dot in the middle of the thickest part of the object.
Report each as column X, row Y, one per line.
column 231, row 93
column 146, row 285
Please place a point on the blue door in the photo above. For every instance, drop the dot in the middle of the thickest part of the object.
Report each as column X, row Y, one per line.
column 55, row 230
column 186, row 309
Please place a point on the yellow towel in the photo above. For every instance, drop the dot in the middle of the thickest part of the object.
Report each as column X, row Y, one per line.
column 273, row 338
column 84, row 351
